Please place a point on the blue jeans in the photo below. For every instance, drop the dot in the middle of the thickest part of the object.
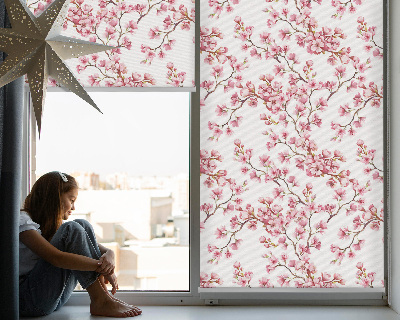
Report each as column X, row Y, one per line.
column 47, row 288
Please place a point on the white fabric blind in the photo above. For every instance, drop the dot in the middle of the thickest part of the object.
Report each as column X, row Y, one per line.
column 292, row 144
column 154, row 40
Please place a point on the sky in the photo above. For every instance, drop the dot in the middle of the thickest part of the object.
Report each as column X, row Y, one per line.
column 140, row 133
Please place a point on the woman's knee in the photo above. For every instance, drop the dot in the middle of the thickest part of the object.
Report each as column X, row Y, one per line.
column 85, row 225
column 72, row 237
column 65, row 233
column 71, row 226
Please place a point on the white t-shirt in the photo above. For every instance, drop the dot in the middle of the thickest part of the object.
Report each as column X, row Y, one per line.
column 27, row 258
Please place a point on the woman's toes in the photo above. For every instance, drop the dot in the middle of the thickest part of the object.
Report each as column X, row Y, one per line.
column 137, row 310
column 128, row 314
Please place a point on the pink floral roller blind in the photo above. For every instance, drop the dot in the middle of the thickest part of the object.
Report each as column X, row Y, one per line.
column 292, row 143
column 155, row 39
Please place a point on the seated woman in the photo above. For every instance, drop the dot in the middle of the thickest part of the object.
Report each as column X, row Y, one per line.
column 54, row 256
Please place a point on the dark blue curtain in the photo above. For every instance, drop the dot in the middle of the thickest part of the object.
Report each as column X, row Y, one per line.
column 11, row 111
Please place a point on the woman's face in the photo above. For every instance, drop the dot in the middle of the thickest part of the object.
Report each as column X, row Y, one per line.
column 68, row 203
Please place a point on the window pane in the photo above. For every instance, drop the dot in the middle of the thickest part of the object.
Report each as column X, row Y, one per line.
column 132, row 166
column 292, row 144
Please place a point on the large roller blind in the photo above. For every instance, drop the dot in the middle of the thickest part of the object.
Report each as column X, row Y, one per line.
column 292, row 153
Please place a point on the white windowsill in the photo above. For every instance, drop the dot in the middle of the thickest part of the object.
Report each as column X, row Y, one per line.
column 239, row 312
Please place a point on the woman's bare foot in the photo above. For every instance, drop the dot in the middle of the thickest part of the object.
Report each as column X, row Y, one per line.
column 112, row 308
column 103, row 284
column 103, row 304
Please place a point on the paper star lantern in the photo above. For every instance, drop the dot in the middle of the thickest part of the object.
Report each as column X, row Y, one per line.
column 35, row 47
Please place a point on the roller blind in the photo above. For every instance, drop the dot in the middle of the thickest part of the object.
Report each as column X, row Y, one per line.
column 153, row 39
column 292, row 153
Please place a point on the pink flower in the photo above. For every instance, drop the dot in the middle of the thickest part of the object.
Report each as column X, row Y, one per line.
column 131, row 26
column 217, row 193
column 221, row 232
column 80, row 68
column 283, row 280
column 235, row 245
column 284, row 34
column 109, row 32
column 254, row 176
column 325, row 276
column 264, row 282
column 154, row 33
column 340, row 194
column 265, row 160
column 113, row 22
column 214, row 276
column 217, row 71
column 217, row 254
column 94, row 80
column 84, row 60
column 316, row 243
column 343, row 233
column 126, row 43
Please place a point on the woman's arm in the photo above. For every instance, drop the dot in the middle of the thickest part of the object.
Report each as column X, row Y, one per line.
column 107, row 260
column 65, row 260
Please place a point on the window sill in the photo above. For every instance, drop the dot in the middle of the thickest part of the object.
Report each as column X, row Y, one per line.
column 257, row 297
column 239, row 312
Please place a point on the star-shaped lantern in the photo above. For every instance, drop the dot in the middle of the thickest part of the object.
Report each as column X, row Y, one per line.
column 36, row 47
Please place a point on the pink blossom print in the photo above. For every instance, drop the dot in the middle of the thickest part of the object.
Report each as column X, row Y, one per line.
column 292, row 154
column 148, row 36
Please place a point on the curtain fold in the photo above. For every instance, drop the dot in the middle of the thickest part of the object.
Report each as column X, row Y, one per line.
column 11, row 111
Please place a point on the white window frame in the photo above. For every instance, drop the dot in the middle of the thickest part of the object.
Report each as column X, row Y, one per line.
column 276, row 296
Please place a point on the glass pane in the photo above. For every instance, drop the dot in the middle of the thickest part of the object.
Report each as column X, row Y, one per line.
column 132, row 166
column 292, row 155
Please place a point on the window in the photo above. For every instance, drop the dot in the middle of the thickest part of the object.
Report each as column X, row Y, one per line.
column 132, row 166
column 277, row 295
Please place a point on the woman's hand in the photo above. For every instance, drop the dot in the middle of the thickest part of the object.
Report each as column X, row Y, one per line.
column 107, row 263
column 112, row 279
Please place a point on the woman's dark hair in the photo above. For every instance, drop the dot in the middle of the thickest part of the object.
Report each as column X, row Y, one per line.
column 43, row 203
